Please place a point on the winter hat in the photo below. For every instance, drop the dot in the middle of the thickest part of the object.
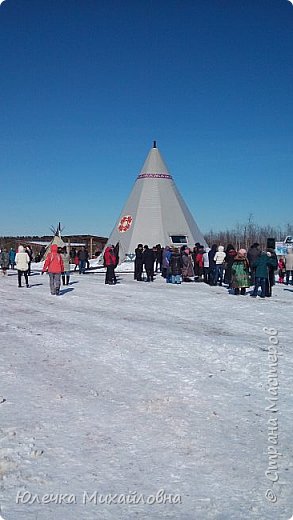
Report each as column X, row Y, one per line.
column 54, row 248
column 242, row 252
column 20, row 249
column 221, row 248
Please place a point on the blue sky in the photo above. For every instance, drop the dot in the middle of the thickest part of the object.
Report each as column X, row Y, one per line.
column 87, row 85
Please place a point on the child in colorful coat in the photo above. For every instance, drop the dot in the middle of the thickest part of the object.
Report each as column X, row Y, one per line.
column 281, row 269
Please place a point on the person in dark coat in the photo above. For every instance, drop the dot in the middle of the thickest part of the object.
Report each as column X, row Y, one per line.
column 4, row 260
column 116, row 249
column 42, row 252
column 230, row 257
column 194, row 253
column 261, row 266
column 159, row 257
column 212, row 264
column 12, row 254
column 138, row 263
column 252, row 254
column 29, row 251
column 82, row 259
column 148, row 262
column 176, row 266
column 271, row 275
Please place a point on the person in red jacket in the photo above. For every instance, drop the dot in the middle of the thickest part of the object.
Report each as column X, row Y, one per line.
column 54, row 265
column 110, row 262
column 198, row 265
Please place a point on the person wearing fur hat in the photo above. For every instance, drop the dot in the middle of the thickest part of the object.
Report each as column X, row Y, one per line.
column 219, row 258
column 187, row 266
column 22, row 261
column 240, row 278
column 54, row 265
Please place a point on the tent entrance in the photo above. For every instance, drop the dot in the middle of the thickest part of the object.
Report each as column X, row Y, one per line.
column 179, row 239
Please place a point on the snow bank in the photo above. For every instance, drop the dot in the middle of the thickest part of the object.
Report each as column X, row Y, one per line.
column 131, row 389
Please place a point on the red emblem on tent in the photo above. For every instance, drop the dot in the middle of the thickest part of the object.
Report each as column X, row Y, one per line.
column 125, row 223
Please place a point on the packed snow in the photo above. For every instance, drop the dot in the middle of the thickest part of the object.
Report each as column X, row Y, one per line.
column 111, row 394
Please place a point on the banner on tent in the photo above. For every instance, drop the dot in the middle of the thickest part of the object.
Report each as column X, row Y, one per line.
column 125, row 223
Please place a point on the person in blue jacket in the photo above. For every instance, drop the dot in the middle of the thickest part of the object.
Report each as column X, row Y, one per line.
column 12, row 254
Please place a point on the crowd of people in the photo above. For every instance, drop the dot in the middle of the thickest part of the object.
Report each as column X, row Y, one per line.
column 238, row 270
column 57, row 263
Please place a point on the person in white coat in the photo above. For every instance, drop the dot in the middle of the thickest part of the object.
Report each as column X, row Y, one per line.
column 206, row 265
column 219, row 258
column 22, row 261
column 289, row 266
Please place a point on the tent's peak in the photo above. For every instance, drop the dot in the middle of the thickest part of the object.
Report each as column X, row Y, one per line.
column 57, row 230
column 154, row 165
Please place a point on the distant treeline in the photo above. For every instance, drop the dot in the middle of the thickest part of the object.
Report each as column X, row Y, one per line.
column 8, row 241
column 243, row 235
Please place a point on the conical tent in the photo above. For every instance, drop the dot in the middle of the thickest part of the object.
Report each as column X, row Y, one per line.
column 155, row 212
column 55, row 240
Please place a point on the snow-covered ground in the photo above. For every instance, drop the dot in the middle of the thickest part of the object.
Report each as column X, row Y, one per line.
column 131, row 389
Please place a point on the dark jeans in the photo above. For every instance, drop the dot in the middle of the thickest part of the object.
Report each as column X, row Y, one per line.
column 240, row 291
column 212, row 275
column 81, row 266
column 19, row 275
column 219, row 274
column 206, row 274
column 66, row 278
column 110, row 275
column 288, row 273
column 262, row 283
column 150, row 274
column 138, row 268
column 252, row 276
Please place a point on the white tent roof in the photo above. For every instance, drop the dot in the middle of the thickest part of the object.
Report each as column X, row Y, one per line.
column 154, row 212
